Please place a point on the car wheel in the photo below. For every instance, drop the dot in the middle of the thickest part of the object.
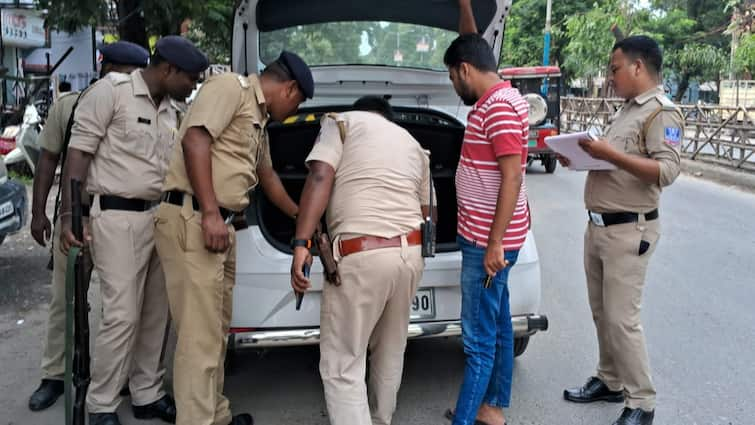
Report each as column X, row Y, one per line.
column 520, row 345
column 550, row 164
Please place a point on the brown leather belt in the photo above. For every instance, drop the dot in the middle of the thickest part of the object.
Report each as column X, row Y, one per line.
column 368, row 243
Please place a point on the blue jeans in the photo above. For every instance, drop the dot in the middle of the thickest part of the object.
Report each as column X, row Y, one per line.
column 487, row 335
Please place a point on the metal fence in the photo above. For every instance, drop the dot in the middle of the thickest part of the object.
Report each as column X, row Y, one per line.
column 722, row 135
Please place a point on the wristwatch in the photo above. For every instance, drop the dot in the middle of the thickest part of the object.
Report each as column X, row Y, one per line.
column 306, row 243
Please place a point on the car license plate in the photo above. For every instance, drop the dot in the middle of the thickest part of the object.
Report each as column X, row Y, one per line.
column 532, row 143
column 423, row 305
column 6, row 209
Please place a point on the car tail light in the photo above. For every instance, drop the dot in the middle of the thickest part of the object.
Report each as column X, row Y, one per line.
column 7, row 144
column 241, row 330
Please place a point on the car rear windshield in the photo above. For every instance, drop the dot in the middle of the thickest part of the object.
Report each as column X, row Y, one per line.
column 361, row 43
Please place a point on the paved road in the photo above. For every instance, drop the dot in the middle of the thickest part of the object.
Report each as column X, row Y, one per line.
column 698, row 317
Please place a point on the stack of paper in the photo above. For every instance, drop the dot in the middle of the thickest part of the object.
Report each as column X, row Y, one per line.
column 567, row 145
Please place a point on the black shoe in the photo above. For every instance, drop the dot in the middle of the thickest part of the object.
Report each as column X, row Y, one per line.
column 593, row 390
column 103, row 419
column 635, row 417
column 46, row 395
column 242, row 419
column 164, row 409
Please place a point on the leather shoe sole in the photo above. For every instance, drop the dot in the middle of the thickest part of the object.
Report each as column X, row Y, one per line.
column 609, row 398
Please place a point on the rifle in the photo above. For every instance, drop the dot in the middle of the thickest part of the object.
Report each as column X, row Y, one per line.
column 77, row 319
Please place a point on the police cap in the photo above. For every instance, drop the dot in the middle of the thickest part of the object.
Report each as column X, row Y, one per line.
column 125, row 53
column 181, row 53
column 299, row 71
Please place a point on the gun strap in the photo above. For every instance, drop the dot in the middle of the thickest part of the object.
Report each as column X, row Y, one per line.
column 340, row 123
column 63, row 155
column 646, row 128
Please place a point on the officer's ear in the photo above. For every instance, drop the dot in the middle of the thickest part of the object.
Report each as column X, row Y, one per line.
column 638, row 66
column 292, row 90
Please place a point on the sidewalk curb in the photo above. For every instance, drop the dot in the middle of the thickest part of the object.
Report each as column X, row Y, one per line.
column 742, row 180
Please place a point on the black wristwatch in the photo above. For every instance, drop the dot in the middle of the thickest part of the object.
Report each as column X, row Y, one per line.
column 306, row 243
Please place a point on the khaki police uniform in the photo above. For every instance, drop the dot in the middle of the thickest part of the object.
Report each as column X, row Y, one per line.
column 200, row 283
column 52, row 139
column 131, row 139
column 382, row 179
column 616, row 258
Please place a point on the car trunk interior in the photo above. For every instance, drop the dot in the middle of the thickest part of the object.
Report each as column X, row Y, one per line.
column 290, row 144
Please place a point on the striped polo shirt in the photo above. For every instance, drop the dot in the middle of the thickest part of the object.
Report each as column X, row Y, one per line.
column 497, row 126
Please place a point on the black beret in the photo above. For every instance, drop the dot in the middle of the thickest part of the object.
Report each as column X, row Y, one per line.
column 181, row 53
column 125, row 53
column 299, row 71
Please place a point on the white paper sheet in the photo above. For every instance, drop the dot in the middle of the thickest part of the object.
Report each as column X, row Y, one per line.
column 568, row 145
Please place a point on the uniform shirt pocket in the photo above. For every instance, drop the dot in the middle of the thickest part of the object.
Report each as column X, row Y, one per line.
column 140, row 136
column 631, row 145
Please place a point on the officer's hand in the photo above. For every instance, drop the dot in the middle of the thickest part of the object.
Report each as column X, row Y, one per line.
column 494, row 261
column 598, row 149
column 215, row 232
column 564, row 161
column 40, row 228
column 67, row 238
column 299, row 282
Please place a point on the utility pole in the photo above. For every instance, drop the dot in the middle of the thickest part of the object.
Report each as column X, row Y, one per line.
column 547, row 36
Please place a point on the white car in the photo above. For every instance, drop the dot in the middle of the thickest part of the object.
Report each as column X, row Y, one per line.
column 345, row 46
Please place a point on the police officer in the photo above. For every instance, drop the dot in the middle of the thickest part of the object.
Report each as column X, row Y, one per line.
column 121, row 144
column 374, row 179
column 122, row 57
column 222, row 151
column 643, row 143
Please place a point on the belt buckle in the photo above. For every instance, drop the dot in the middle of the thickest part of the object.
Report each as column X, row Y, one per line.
column 597, row 219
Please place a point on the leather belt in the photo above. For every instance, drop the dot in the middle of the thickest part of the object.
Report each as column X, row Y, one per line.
column 176, row 197
column 110, row 202
column 368, row 243
column 609, row 219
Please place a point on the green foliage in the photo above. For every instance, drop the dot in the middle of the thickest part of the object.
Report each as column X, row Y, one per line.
column 211, row 30
column 590, row 41
column 744, row 58
column 523, row 38
column 360, row 43
column 698, row 61
column 70, row 15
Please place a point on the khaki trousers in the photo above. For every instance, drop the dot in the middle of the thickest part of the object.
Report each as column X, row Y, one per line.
column 53, row 355
column 200, row 292
column 134, row 310
column 615, row 279
column 370, row 310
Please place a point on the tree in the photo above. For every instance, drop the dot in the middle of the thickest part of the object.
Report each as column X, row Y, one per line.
column 523, row 38
column 590, row 42
column 134, row 20
column 211, row 30
column 696, row 61
column 744, row 58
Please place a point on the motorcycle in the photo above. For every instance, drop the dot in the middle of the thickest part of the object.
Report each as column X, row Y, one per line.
column 21, row 143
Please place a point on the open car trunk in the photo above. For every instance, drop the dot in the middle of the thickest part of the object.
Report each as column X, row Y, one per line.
column 291, row 143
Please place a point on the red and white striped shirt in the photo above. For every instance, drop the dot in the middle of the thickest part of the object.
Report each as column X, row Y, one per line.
column 497, row 126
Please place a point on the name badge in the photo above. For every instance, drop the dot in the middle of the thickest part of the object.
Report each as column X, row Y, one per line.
column 141, row 120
